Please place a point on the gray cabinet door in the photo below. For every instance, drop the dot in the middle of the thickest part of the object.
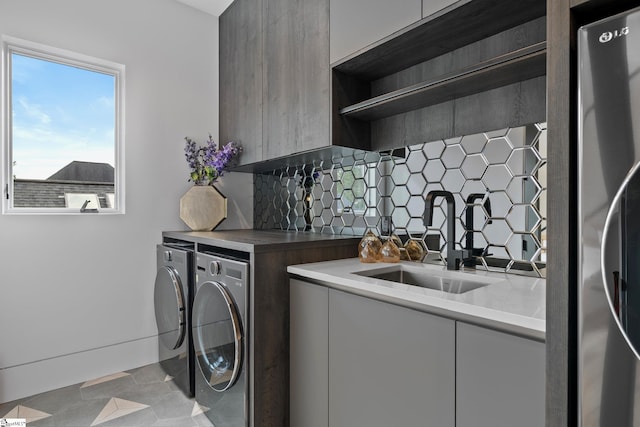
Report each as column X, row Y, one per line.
column 241, row 77
column 309, row 339
column 389, row 365
column 429, row 7
column 356, row 24
column 297, row 76
column 500, row 379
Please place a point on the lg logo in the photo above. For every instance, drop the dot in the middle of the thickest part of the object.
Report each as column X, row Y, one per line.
column 607, row 36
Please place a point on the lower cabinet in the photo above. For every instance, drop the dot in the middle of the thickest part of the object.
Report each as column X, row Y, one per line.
column 308, row 347
column 356, row 361
column 500, row 379
column 389, row 365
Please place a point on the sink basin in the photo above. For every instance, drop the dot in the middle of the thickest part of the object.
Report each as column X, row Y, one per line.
column 424, row 279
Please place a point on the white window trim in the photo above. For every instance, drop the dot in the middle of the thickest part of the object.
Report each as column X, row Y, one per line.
column 24, row 47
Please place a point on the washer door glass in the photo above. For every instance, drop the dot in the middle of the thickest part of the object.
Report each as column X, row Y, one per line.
column 217, row 336
column 169, row 307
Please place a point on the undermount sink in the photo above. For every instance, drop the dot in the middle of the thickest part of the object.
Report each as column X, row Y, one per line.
column 424, row 279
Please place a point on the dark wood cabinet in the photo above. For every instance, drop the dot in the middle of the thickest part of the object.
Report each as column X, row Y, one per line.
column 280, row 98
column 241, row 62
column 296, row 77
column 275, row 77
column 472, row 66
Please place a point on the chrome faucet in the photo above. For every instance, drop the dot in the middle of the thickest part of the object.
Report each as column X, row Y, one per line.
column 454, row 257
column 469, row 227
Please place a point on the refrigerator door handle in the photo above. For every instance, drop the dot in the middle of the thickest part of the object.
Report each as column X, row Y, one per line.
column 616, row 293
column 612, row 256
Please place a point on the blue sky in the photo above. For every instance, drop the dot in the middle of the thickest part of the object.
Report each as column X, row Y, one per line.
column 60, row 114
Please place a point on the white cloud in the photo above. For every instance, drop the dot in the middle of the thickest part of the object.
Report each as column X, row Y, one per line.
column 40, row 153
column 34, row 111
column 105, row 102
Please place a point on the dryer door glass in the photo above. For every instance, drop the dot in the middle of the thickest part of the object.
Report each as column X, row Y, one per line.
column 217, row 335
column 169, row 307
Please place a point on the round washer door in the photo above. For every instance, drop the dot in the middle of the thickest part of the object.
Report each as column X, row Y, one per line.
column 170, row 308
column 217, row 336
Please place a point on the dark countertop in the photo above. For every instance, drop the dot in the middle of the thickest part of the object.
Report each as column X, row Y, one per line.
column 256, row 241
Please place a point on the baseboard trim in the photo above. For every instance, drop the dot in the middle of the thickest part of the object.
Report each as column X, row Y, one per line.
column 31, row 378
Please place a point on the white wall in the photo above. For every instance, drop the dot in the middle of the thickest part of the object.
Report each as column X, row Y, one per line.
column 76, row 292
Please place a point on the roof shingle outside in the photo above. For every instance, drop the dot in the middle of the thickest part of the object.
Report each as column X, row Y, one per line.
column 29, row 193
column 84, row 172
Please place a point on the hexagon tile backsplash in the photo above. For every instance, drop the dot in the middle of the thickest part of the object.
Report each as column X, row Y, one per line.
column 498, row 180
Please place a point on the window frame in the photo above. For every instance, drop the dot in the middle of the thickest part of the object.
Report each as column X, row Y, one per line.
column 11, row 45
column 370, row 195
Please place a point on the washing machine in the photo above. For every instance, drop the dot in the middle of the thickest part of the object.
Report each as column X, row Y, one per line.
column 173, row 298
column 219, row 323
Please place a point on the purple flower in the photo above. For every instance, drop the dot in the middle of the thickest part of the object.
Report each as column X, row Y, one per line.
column 307, row 181
column 208, row 163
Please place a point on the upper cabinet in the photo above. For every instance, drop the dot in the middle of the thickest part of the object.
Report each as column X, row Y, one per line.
column 241, row 60
column 296, row 77
column 356, row 24
column 466, row 67
column 429, row 7
column 275, row 79
column 402, row 73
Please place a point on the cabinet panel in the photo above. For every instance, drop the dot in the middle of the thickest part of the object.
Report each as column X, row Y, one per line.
column 389, row 365
column 241, row 77
column 430, row 7
column 356, row 24
column 500, row 379
column 297, row 76
column 309, row 341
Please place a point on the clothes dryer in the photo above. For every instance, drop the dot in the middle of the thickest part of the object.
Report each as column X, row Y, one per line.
column 173, row 298
column 220, row 340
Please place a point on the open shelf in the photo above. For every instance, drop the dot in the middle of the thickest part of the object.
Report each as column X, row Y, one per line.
column 473, row 66
column 519, row 65
column 460, row 24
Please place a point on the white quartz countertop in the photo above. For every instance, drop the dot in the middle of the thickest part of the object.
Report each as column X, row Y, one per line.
column 510, row 303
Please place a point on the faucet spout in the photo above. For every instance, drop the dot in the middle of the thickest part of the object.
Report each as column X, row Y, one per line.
column 429, row 205
column 454, row 257
column 469, row 224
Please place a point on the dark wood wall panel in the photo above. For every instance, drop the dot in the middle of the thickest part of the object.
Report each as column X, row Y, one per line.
column 561, row 284
column 414, row 127
column 508, row 106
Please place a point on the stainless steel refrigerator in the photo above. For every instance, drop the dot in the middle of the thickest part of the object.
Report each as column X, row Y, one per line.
column 609, row 226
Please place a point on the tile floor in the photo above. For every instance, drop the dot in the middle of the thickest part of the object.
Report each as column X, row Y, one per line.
column 144, row 396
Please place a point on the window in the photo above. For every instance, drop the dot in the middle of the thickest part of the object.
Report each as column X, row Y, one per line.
column 62, row 130
column 356, row 189
column 78, row 200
